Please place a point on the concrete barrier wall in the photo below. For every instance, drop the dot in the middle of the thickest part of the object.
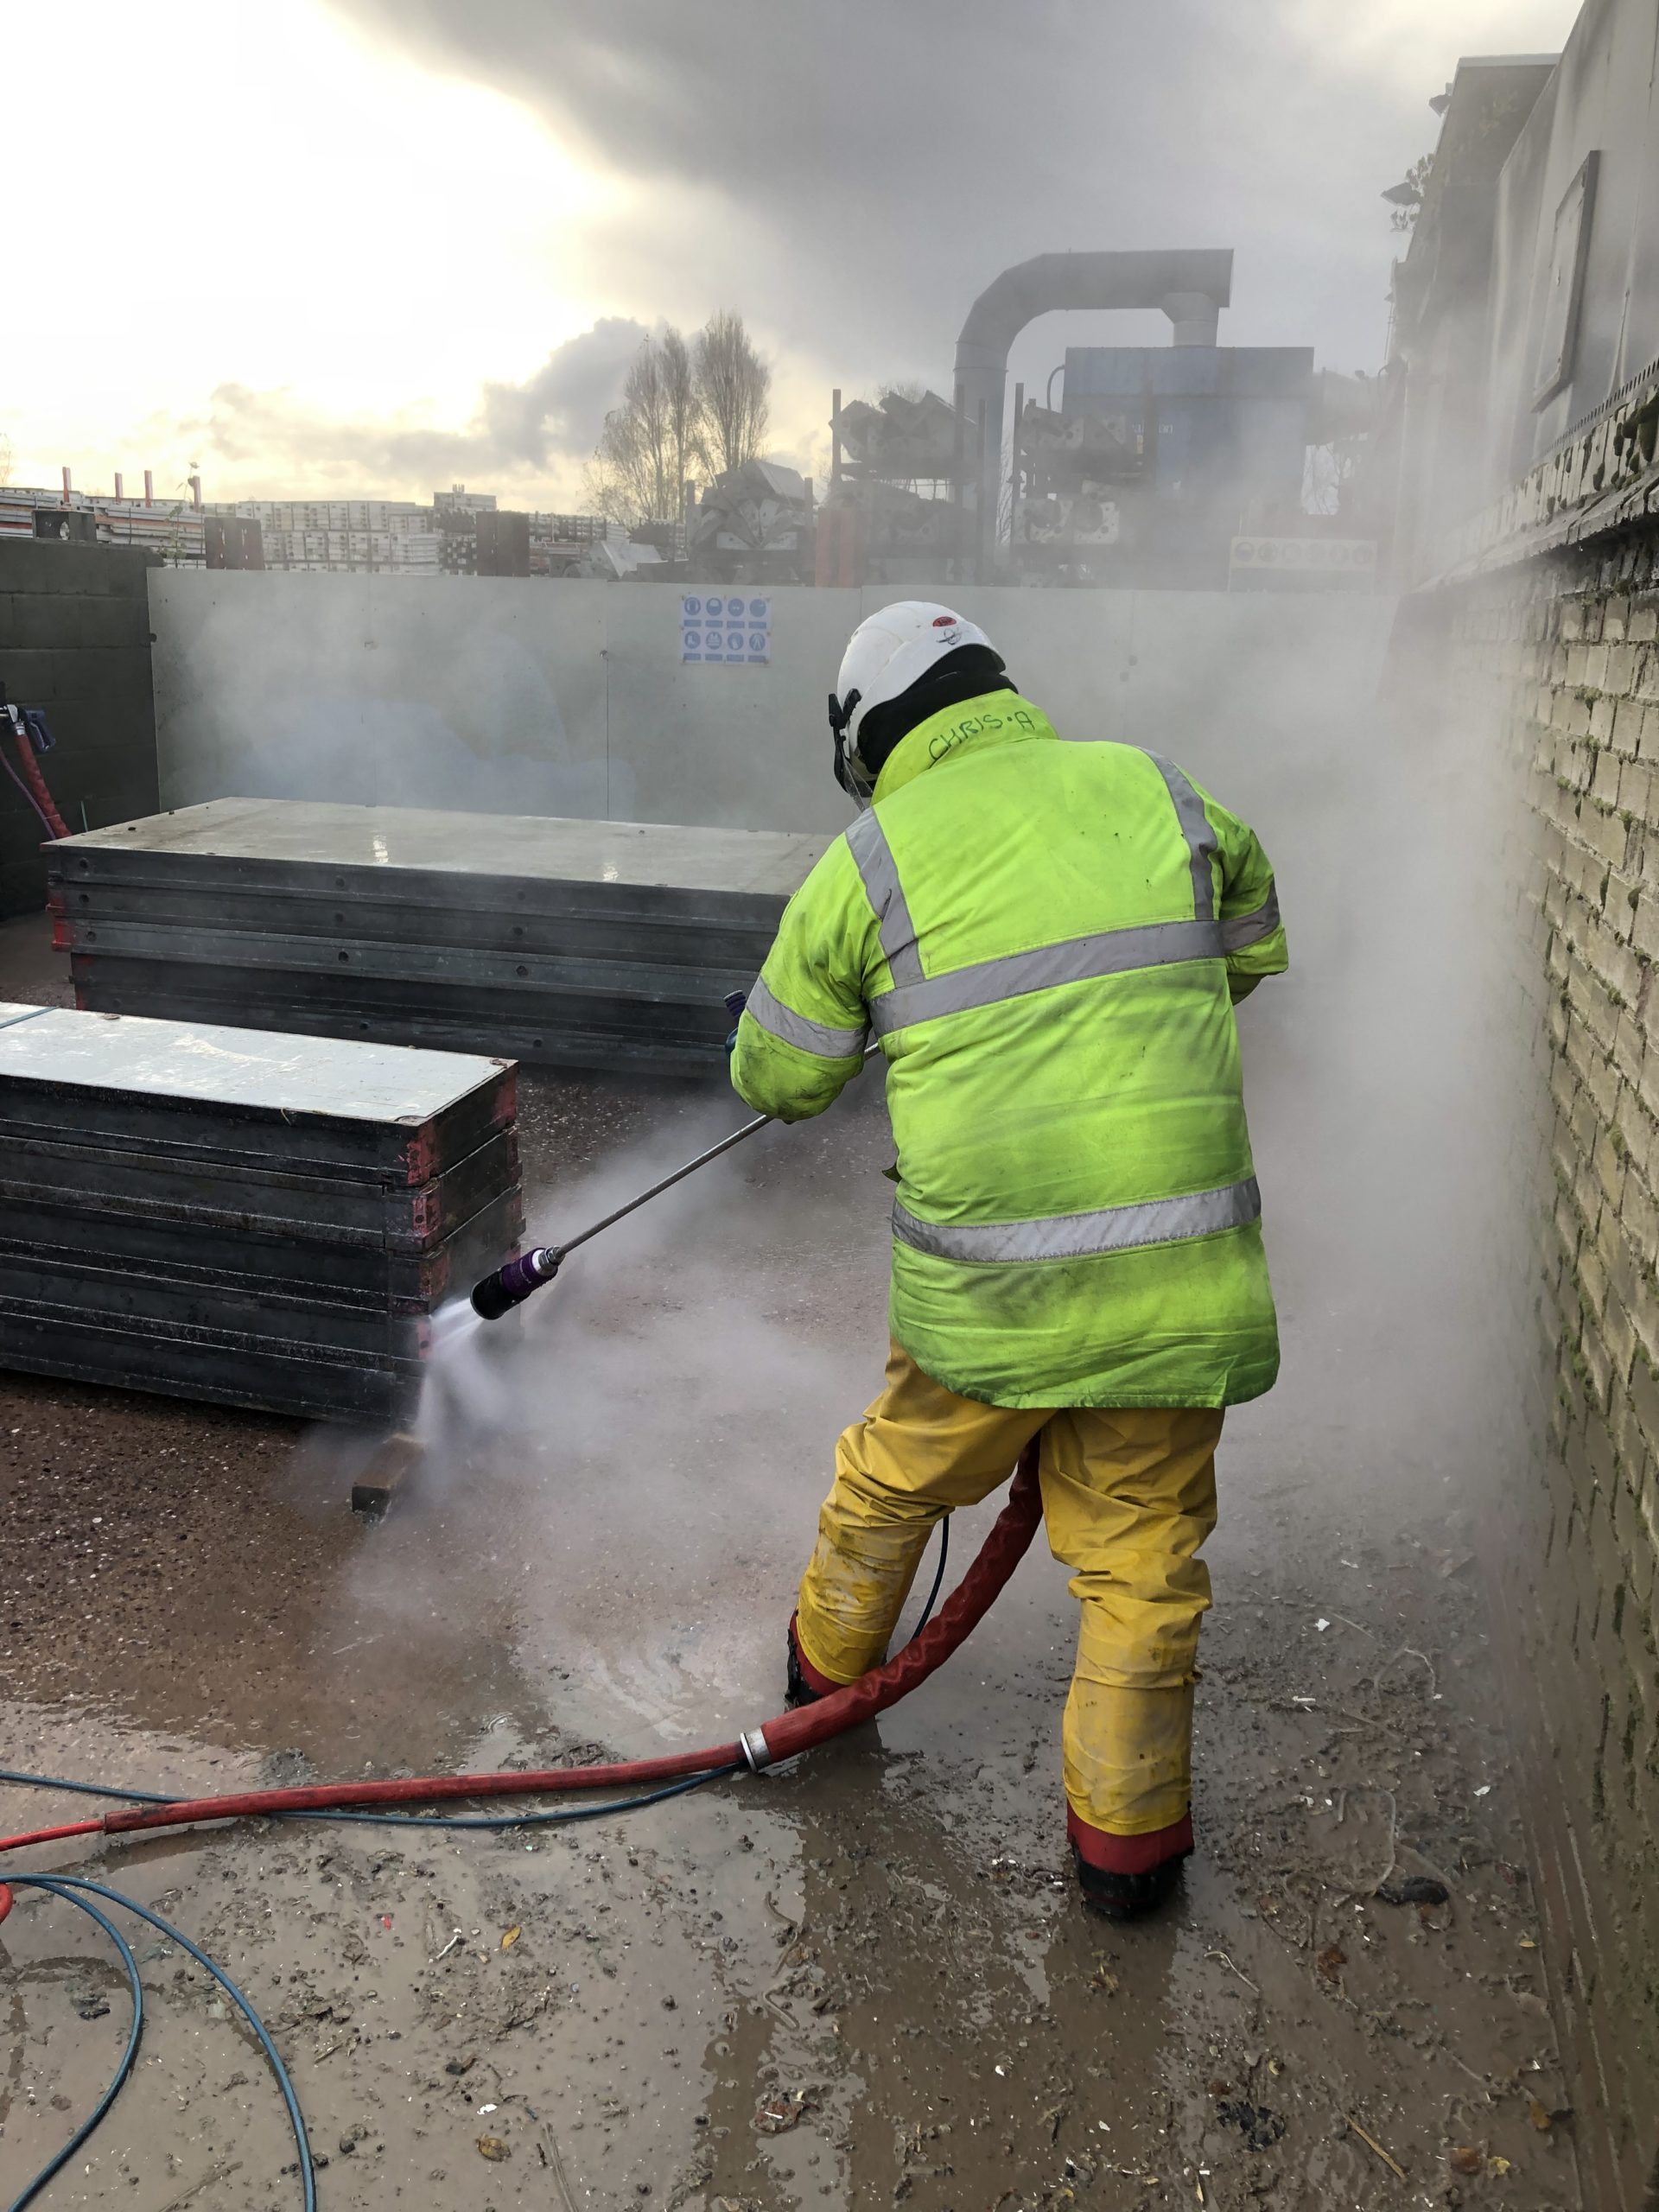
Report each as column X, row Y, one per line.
column 501, row 694
column 74, row 640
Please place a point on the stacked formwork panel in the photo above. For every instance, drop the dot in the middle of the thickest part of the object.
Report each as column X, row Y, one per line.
column 591, row 944
column 258, row 1221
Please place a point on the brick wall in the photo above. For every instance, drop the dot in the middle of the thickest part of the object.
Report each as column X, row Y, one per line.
column 74, row 640
column 1552, row 667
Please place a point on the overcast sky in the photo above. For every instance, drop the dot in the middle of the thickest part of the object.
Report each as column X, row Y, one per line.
column 359, row 247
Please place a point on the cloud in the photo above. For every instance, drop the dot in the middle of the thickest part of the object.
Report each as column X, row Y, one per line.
column 851, row 176
column 562, row 409
column 544, row 428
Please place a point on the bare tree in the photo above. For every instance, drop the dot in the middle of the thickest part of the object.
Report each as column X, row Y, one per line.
column 734, row 385
column 686, row 440
column 652, row 437
column 633, row 445
column 603, row 493
column 5, row 458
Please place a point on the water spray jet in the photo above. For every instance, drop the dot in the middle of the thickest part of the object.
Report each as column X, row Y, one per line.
column 510, row 1285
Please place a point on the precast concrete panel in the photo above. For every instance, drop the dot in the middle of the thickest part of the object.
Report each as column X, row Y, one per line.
column 481, row 693
column 486, row 694
column 744, row 747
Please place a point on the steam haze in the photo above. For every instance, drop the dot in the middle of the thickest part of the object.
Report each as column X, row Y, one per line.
column 659, row 1424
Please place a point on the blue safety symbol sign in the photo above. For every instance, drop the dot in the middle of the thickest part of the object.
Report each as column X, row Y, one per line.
column 725, row 629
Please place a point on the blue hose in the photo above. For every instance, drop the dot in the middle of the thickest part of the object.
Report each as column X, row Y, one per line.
column 61, row 1885
column 64, row 1885
column 58, row 1889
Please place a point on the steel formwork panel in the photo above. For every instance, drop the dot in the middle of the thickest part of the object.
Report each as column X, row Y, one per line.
column 580, row 943
column 391, row 1112
column 216, row 1211
column 549, row 1035
column 325, row 834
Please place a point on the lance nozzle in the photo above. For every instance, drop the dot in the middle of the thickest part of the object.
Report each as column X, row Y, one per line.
column 510, row 1285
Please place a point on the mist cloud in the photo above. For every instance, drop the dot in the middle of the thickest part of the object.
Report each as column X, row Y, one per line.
column 546, row 426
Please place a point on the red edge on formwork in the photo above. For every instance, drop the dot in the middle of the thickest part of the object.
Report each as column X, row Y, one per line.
column 420, row 1154
column 1129, row 1854
column 786, row 1737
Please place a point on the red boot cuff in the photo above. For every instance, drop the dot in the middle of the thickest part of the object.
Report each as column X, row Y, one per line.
column 820, row 1685
column 1129, row 1854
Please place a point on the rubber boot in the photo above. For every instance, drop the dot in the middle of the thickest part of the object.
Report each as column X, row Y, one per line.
column 805, row 1685
column 1122, row 1878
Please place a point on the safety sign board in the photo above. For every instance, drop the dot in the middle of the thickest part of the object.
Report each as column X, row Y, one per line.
column 729, row 629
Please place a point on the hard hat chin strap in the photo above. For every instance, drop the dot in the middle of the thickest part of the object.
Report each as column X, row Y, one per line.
column 849, row 773
column 839, row 714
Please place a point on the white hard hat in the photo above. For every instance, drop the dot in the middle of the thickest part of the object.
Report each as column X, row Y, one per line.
column 889, row 651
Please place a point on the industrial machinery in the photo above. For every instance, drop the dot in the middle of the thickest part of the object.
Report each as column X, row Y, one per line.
column 1156, row 467
column 1157, row 457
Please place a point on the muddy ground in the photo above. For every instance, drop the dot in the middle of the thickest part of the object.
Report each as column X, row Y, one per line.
column 860, row 1982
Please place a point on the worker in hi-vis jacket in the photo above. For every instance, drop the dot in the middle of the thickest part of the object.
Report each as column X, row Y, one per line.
column 1046, row 937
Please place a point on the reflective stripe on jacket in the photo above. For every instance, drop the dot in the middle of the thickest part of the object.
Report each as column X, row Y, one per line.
column 1046, row 937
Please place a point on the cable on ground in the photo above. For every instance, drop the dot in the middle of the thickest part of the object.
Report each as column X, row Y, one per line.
column 938, row 1581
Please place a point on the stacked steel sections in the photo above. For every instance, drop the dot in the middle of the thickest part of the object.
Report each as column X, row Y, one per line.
column 171, row 528
column 607, row 945
column 255, row 1220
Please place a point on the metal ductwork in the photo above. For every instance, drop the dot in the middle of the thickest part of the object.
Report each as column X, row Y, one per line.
column 1191, row 286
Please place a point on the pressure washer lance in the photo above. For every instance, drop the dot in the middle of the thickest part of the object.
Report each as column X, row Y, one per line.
column 510, row 1285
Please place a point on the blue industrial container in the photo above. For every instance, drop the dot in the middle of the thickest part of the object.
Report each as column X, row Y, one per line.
column 1215, row 425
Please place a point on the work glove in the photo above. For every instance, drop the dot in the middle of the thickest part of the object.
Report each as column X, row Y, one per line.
column 735, row 1003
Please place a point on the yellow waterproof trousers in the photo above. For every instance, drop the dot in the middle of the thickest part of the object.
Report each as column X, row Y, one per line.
column 1128, row 1496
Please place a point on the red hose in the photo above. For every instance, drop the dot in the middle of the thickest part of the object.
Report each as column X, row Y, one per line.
column 809, row 1726
column 786, row 1737
column 51, row 1835
column 37, row 783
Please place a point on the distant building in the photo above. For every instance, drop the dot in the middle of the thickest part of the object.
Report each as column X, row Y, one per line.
column 462, row 533
column 458, row 500
column 331, row 534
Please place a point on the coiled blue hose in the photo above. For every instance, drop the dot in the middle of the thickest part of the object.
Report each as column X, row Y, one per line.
column 64, row 1885
column 59, row 1889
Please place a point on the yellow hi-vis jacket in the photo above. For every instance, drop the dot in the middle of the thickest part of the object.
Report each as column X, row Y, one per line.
column 1046, row 936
